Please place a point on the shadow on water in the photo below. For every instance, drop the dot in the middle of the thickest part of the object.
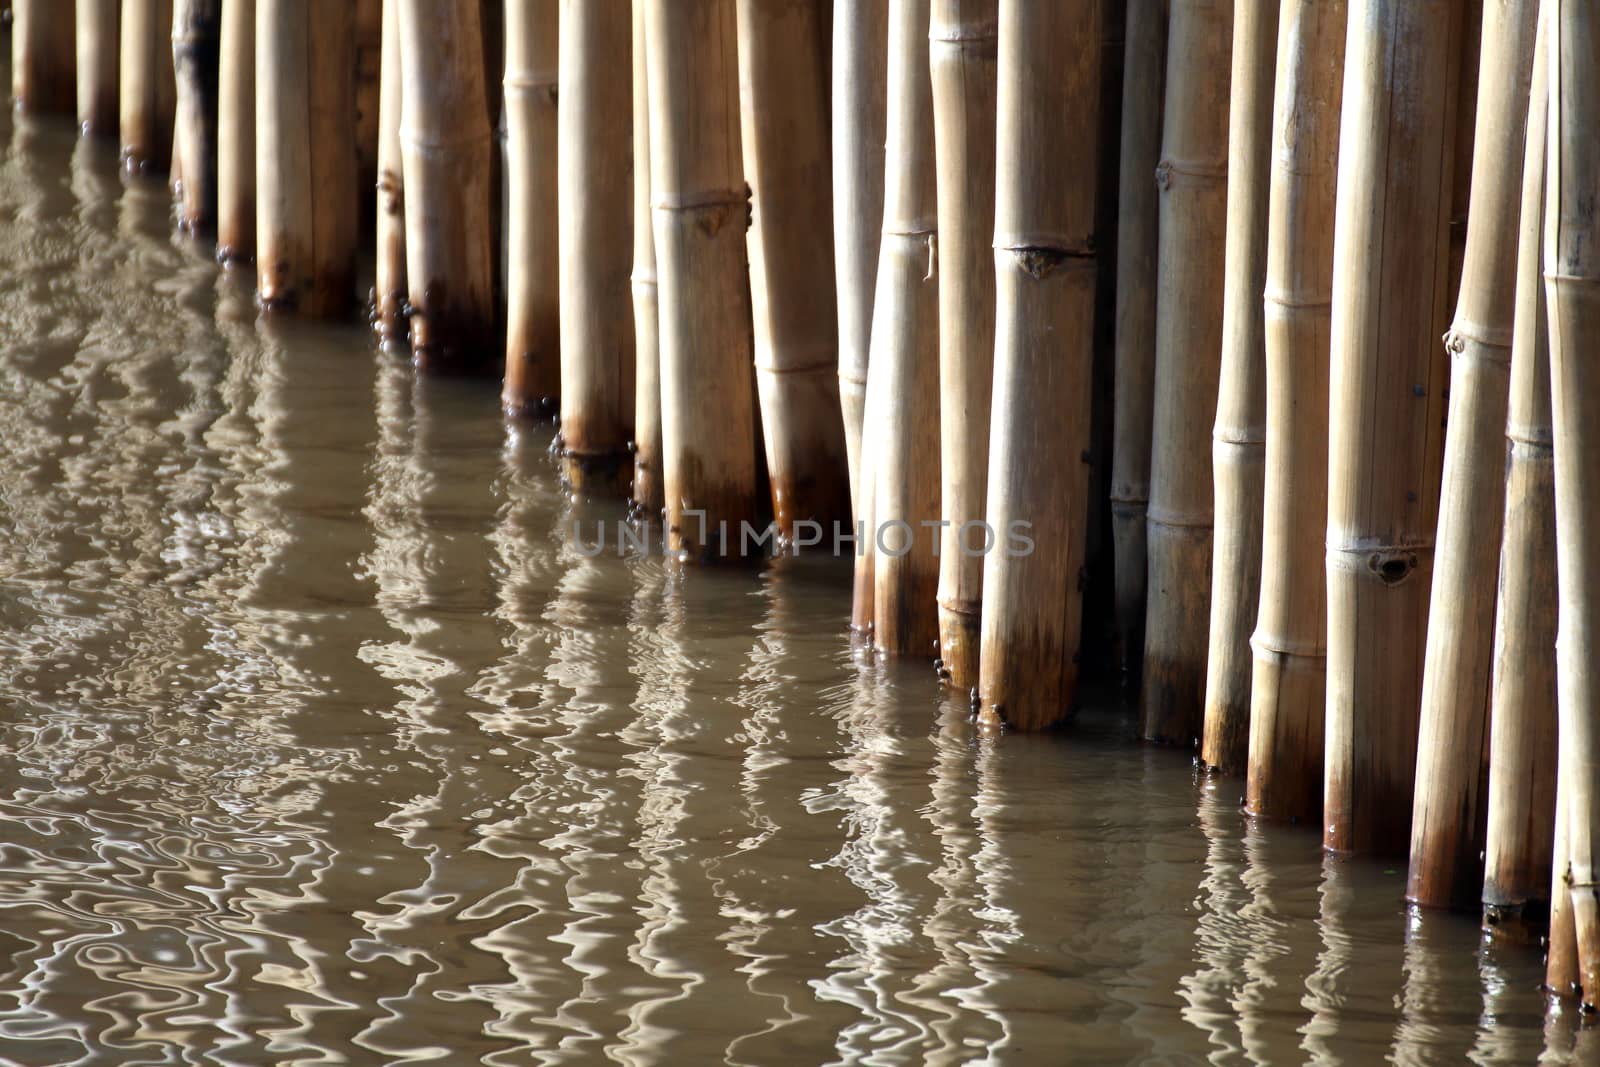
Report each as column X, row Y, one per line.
column 323, row 740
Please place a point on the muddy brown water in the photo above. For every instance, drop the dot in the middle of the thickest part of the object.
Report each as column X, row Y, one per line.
column 322, row 742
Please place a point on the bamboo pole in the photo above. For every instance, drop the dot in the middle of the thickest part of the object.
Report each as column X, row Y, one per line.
column 369, row 99
column 446, row 149
column 963, row 40
column 647, row 490
column 903, row 374
column 389, row 272
column 860, row 103
column 533, row 327
column 1446, row 815
column 147, row 93
column 1572, row 280
column 196, row 56
column 783, row 89
column 44, row 47
column 97, row 47
column 708, row 426
column 1193, row 183
column 236, row 134
column 1289, row 679
column 1561, row 959
column 1522, row 715
column 1238, row 439
column 1045, row 269
column 595, row 188
column 1391, row 273
column 1144, row 73
column 306, row 192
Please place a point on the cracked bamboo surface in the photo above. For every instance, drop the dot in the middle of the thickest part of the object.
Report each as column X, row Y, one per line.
column 963, row 36
column 236, row 134
column 96, row 55
column 1446, row 811
column 146, row 89
column 648, row 499
column 196, row 59
column 1289, row 677
column 1391, row 275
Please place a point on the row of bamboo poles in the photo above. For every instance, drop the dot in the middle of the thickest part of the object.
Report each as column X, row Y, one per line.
column 817, row 262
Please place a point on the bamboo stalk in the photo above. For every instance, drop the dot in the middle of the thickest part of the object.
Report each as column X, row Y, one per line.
column 1446, row 816
column 783, row 88
column 860, row 112
column 963, row 41
column 389, row 272
column 369, row 102
column 196, row 56
column 1045, row 268
column 1144, row 73
column 903, row 375
column 1522, row 715
column 147, row 93
column 1572, row 281
column 595, row 187
column 1193, row 184
column 44, row 45
column 533, row 329
column 236, row 134
column 97, row 47
column 1561, row 960
column 1238, row 448
column 306, row 191
column 446, row 149
column 648, row 498
column 1289, row 679
column 708, row 426
column 1391, row 274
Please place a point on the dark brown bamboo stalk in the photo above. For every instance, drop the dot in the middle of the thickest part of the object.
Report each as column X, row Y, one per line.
column 1193, row 183
column 783, row 81
column 1522, row 712
column 595, row 190
column 196, row 55
column 369, row 98
column 533, row 325
column 446, row 147
column 1446, row 832
column 1289, row 681
column 1391, row 276
column 1044, row 351
column 708, row 426
column 962, row 55
column 97, row 56
column 306, row 192
column 1138, row 209
column 236, row 134
column 147, row 93
column 647, row 489
column 44, row 44
column 389, row 272
column 1238, row 447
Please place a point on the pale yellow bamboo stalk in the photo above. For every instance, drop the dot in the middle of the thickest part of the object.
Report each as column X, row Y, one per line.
column 904, row 359
column 147, row 93
column 1572, row 280
column 446, row 150
column 307, row 199
column 1561, row 958
column 962, row 57
column 595, row 183
column 389, row 272
column 1522, row 710
column 1391, row 275
column 236, row 134
column 44, row 45
column 1045, row 268
column 97, row 47
column 708, row 426
column 1138, row 209
column 196, row 57
column 1193, row 183
column 1238, row 446
column 533, row 325
column 1445, row 842
column 647, row 489
column 783, row 89
column 1289, row 678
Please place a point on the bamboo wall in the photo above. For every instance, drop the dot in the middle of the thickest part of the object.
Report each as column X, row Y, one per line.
column 1334, row 535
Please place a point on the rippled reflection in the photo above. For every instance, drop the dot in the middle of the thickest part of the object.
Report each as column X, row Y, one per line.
column 321, row 742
